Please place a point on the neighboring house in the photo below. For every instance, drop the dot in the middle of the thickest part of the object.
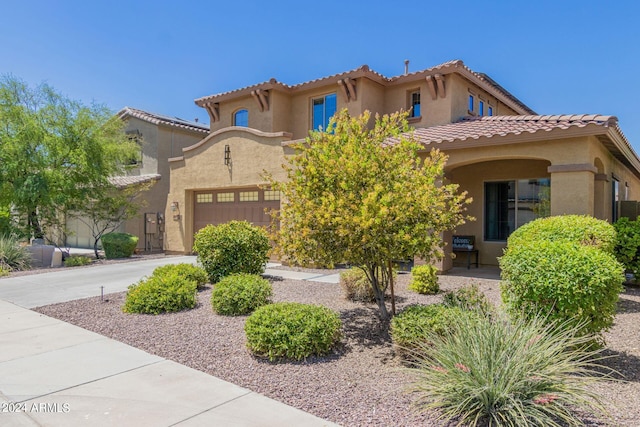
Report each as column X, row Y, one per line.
column 160, row 137
column 515, row 164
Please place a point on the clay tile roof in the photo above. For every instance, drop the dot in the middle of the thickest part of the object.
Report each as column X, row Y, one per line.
column 472, row 128
column 125, row 181
column 158, row 119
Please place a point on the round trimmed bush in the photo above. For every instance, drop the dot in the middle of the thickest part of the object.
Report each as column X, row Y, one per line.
column 234, row 247
column 240, row 294
column 161, row 293
column 564, row 280
column 468, row 298
column 292, row 330
column 412, row 327
column 424, row 279
column 356, row 286
column 188, row 271
column 119, row 245
column 582, row 229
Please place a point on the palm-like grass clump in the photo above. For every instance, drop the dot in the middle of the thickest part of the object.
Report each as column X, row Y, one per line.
column 499, row 371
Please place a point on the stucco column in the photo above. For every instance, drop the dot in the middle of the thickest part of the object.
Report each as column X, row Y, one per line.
column 572, row 189
column 601, row 209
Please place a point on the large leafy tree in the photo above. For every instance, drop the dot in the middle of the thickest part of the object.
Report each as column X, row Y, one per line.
column 363, row 195
column 54, row 154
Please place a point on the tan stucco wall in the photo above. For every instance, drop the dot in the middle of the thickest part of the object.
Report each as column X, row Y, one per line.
column 202, row 167
column 462, row 88
column 575, row 188
column 159, row 144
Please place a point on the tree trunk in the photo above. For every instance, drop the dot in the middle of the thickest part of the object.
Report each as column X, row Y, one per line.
column 393, row 295
column 34, row 225
column 379, row 293
column 95, row 247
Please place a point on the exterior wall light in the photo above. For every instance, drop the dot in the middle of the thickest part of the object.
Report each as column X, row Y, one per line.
column 174, row 206
column 227, row 155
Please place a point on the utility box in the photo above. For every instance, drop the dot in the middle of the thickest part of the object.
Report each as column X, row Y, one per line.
column 150, row 223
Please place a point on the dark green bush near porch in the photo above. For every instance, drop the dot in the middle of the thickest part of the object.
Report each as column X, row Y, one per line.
column 234, row 247
column 188, row 271
column 412, row 327
column 582, row 229
column 240, row 294
column 424, row 279
column 563, row 279
column 161, row 293
column 627, row 248
column 288, row 330
column 119, row 245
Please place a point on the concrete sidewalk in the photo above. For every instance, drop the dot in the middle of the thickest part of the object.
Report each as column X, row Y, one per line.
column 56, row 374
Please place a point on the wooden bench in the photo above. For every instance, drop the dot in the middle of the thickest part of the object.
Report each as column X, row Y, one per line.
column 466, row 244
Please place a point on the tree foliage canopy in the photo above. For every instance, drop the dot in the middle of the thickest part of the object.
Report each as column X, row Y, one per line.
column 54, row 152
column 363, row 195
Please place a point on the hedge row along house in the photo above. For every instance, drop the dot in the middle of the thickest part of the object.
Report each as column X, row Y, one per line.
column 517, row 165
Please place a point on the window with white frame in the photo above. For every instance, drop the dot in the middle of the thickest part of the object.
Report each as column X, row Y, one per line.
column 511, row 204
column 322, row 109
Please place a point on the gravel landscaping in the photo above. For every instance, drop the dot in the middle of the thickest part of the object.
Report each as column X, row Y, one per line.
column 362, row 383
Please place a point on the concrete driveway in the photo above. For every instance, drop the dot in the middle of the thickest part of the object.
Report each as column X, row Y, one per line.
column 56, row 374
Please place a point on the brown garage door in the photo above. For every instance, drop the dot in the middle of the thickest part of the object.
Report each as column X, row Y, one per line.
column 220, row 206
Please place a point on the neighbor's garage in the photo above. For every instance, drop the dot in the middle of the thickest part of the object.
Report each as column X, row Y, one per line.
column 220, row 206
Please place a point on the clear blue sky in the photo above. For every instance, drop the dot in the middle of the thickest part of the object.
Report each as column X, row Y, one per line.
column 558, row 57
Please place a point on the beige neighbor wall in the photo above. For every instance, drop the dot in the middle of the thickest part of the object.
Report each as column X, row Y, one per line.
column 202, row 167
column 159, row 144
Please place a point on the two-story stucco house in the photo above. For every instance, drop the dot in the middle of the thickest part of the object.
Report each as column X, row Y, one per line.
column 160, row 138
column 516, row 165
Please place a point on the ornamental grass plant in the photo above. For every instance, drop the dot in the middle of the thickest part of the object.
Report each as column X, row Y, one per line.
column 499, row 371
column 13, row 256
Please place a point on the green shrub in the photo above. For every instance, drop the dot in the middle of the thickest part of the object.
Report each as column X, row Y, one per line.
column 468, row 298
column 424, row 279
column 508, row 372
column 239, row 294
column 4, row 270
column 76, row 260
column 161, row 294
column 356, row 286
column 567, row 280
column 414, row 326
column 119, row 245
column 582, row 229
column 188, row 271
column 292, row 330
column 234, row 247
column 12, row 255
column 627, row 249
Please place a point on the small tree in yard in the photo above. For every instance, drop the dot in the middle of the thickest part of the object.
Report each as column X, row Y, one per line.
column 362, row 195
column 108, row 207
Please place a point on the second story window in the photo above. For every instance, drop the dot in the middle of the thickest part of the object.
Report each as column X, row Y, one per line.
column 481, row 108
column 490, row 112
column 322, row 110
column 414, row 103
column 471, row 103
column 241, row 118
